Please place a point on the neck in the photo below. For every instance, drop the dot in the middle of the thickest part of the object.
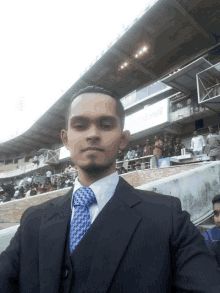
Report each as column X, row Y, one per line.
column 88, row 177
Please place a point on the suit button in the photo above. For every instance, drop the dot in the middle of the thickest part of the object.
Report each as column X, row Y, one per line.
column 65, row 273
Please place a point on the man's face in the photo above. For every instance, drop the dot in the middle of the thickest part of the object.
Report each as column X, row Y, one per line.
column 195, row 133
column 147, row 142
column 155, row 138
column 94, row 123
column 217, row 214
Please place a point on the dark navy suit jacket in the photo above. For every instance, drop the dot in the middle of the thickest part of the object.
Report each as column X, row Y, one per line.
column 141, row 241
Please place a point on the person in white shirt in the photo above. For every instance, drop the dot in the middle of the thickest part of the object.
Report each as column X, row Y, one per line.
column 48, row 176
column 197, row 143
column 131, row 154
column 16, row 194
column 28, row 193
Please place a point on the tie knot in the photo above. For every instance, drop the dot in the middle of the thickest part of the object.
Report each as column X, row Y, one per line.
column 84, row 196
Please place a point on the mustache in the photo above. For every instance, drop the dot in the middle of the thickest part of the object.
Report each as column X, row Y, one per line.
column 93, row 148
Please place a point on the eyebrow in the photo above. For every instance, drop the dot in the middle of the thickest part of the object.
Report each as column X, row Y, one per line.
column 81, row 117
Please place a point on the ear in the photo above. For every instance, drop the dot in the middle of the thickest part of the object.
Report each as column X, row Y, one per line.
column 125, row 137
column 64, row 137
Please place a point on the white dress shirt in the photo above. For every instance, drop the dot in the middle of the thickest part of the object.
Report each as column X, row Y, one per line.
column 197, row 143
column 103, row 190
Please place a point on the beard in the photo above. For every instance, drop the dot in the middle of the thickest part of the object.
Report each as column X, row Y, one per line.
column 95, row 170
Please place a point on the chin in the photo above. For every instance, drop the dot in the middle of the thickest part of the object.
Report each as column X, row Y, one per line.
column 95, row 168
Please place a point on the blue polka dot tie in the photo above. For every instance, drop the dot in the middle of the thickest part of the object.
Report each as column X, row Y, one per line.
column 83, row 198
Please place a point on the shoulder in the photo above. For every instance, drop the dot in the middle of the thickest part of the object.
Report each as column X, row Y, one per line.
column 213, row 234
column 37, row 211
column 154, row 198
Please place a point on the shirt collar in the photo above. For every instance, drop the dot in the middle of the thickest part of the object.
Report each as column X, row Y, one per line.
column 103, row 189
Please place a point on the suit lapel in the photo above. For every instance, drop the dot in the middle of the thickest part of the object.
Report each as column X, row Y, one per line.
column 119, row 224
column 52, row 236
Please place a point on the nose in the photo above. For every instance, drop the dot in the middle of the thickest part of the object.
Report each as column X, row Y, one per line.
column 93, row 134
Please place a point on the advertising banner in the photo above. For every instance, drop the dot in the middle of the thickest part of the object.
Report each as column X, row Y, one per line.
column 150, row 116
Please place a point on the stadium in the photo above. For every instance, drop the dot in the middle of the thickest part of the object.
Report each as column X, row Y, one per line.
column 166, row 70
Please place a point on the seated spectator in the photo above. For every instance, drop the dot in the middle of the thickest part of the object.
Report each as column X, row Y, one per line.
column 53, row 187
column 120, row 159
column 38, row 189
column 120, row 156
column 33, row 191
column 61, row 183
column 16, row 192
column 9, row 189
column 130, row 154
column 28, row 193
column 118, row 171
column 212, row 236
column 123, row 170
column 138, row 166
column 43, row 189
column 70, row 184
column 139, row 151
column 48, row 187
column 71, row 169
column 6, row 197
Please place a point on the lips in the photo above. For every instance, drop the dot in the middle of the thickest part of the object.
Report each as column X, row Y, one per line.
column 93, row 149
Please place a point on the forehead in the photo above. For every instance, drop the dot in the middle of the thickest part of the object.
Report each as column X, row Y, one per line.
column 217, row 206
column 92, row 105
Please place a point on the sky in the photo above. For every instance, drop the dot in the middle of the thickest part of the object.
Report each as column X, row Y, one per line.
column 46, row 45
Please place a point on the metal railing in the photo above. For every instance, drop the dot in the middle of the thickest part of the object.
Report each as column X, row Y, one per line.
column 127, row 164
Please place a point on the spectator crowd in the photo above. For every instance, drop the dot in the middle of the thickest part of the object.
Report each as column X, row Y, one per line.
column 37, row 184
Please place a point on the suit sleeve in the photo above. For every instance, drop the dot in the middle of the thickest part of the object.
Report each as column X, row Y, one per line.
column 10, row 263
column 194, row 268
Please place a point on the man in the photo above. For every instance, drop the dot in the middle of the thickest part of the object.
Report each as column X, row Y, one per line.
column 147, row 151
column 138, row 166
column 6, row 198
column 157, row 150
column 212, row 236
column 139, row 151
column 213, row 140
column 103, row 235
column 197, row 143
column 48, row 176
column 16, row 192
column 9, row 189
column 178, row 147
column 131, row 154
column 61, row 183
column 28, row 193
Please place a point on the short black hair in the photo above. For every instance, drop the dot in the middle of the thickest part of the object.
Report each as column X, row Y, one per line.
column 96, row 89
column 216, row 199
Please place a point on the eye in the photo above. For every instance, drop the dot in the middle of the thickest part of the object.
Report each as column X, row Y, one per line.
column 106, row 125
column 78, row 126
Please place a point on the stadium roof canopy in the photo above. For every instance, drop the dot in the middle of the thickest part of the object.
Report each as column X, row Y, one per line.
column 174, row 32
